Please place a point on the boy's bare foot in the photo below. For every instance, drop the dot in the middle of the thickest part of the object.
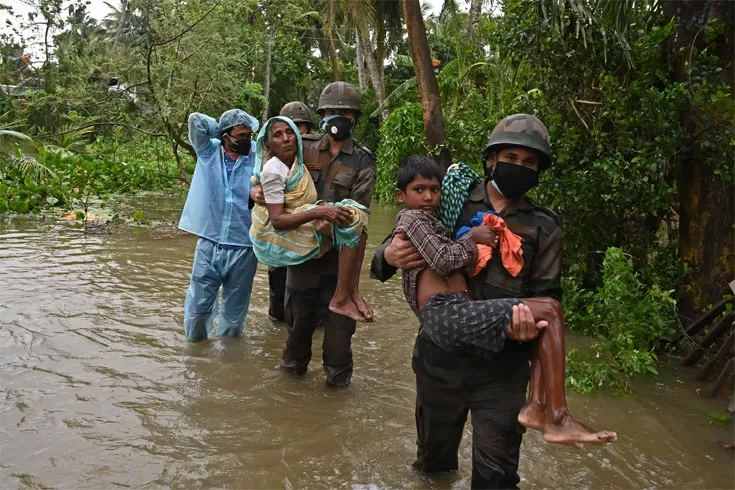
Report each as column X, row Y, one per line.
column 564, row 429
column 363, row 306
column 533, row 416
column 346, row 307
column 323, row 226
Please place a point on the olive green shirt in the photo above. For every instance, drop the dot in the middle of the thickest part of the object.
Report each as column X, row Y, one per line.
column 350, row 174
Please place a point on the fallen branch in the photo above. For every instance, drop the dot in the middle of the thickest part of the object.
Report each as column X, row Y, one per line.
column 571, row 101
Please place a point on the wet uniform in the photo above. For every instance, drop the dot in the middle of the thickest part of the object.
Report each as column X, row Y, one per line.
column 310, row 286
column 450, row 385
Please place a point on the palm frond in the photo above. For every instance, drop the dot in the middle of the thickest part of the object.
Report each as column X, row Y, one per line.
column 25, row 165
column 394, row 96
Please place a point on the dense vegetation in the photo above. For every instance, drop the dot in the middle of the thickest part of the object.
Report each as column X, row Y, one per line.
column 637, row 96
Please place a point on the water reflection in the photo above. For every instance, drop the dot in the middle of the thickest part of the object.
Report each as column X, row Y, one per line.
column 100, row 390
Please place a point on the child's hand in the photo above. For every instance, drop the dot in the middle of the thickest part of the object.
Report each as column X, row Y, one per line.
column 484, row 235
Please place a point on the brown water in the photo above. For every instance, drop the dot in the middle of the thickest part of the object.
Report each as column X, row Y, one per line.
column 100, row 390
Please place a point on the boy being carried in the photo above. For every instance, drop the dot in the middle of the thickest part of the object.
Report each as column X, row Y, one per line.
column 292, row 227
column 438, row 295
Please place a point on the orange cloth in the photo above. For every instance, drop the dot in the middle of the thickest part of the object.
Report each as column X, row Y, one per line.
column 510, row 247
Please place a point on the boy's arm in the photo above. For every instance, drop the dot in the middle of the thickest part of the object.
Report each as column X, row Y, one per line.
column 202, row 129
column 441, row 253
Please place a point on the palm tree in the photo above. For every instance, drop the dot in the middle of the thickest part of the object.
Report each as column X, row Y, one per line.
column 418, row 45
column 12, row 157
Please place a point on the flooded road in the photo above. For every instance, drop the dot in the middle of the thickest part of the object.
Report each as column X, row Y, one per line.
column 100, row 390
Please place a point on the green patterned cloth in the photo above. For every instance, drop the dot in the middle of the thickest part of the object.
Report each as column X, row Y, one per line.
column 455, row 188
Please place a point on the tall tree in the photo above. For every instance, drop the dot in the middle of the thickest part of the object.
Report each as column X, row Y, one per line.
column 473, row 19
column 706, row 208
column 418, row 46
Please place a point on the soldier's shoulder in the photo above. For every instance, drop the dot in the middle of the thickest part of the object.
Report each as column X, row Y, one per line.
column 553, row 218
column 363, row 149
column 311, row 137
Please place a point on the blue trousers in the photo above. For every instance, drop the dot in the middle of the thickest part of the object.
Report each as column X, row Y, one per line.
column 214, row 267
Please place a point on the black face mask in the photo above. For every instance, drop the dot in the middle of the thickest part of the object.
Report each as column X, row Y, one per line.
column 240, row 146
column 339, row 127
column 513, row 180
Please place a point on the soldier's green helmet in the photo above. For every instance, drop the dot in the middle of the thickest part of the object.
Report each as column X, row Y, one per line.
column 339, row 95
column 298, row 112
column 521, row 130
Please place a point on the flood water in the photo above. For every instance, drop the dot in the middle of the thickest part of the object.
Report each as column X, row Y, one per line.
column 100, row 390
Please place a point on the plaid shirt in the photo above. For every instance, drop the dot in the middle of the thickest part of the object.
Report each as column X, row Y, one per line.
column 433, row 241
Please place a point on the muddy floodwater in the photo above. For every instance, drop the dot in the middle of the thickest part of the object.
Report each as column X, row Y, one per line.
column 100, row 390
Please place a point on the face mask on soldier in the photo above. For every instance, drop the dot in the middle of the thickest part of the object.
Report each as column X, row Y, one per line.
column 512, row 180
column 339, row 127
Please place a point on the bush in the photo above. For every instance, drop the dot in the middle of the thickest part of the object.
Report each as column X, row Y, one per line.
column 630, row 319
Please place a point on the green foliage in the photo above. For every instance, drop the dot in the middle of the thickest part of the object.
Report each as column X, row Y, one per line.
column 75, row 180
column 401, row 134
column 628, row 317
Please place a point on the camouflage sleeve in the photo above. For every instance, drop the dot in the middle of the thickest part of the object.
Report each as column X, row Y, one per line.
column 379, row 268
column 362, row 188
column 547, row 265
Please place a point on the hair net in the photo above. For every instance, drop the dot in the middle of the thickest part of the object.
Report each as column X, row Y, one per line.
column 237, row 117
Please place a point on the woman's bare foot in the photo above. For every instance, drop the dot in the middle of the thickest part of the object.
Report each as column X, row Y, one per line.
column 564, row 429
column 533, row 416
column 323, row 226
column 363, row 306
column 346, row 307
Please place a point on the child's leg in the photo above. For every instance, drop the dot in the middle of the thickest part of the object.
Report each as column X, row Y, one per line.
column 347, row 300
column 533, row 413
column 559, row 425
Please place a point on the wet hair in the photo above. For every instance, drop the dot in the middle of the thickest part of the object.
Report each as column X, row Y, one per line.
column 414, row 165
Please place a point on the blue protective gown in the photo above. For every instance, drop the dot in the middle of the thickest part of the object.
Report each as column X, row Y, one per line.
column 217, row 211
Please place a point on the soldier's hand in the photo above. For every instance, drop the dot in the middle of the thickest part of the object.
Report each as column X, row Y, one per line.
column 402, row 254
column 523, row 326
column 256, row 194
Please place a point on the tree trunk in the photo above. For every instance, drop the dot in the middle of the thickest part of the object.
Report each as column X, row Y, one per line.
column 267, row 85
column 121, row 22
column 418, row 46
column 360, row 62
column 336, row 74
column 706, row 209
column 372, row 64
column 329, row 34
column 473, row 19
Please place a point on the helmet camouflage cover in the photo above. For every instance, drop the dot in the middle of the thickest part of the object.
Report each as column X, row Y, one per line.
column 339, row 95
column 297, row 111
column 521, row 130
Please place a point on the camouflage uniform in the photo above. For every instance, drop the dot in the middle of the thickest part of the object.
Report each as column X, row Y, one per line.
column 448, row 385
column 298, row 112
column 310, row 286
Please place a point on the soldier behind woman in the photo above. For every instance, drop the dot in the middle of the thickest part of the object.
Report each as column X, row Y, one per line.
column 341, row 168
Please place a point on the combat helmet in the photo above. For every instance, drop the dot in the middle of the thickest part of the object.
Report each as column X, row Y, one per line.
column 298, row 112
column 521, row 130
column 339, row 95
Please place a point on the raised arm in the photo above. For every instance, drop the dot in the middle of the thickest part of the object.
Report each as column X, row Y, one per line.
column 202, row 129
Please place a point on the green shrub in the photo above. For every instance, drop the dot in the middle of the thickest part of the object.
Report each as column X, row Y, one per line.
column 629, row 319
